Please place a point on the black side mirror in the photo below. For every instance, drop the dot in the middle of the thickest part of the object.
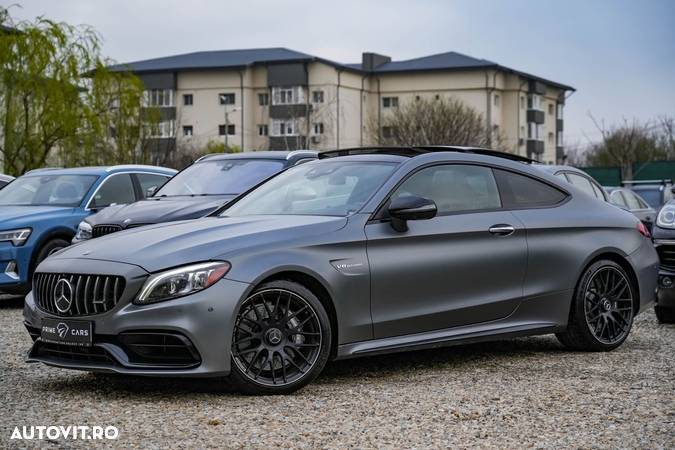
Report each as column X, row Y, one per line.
column 408, row 208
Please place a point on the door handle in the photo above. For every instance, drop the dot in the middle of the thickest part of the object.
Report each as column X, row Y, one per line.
column 502, row 230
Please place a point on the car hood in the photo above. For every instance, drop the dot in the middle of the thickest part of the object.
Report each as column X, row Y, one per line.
column 25, row 216
column 162, row 246
column 159, row 210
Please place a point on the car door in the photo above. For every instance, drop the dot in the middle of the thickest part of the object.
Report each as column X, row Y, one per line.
column 464, row 266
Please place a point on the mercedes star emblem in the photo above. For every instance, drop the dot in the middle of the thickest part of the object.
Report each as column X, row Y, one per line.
column 63, row 295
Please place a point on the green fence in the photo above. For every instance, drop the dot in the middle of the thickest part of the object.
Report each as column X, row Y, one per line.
column 611, row 176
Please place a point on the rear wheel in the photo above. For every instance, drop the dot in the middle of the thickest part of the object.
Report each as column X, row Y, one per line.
column 602, row 310
column 665, row 315
column 281, row 339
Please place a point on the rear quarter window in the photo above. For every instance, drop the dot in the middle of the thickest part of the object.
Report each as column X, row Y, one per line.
column 521, row 191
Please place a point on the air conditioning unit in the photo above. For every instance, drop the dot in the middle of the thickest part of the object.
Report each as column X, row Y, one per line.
column 316, row 139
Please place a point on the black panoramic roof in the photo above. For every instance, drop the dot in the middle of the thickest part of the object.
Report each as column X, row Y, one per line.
column 413, row 151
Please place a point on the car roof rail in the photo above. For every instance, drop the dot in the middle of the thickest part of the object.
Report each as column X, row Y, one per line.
column 413, row 151
column 664, row 181
column 43, row 169
column 302, row 152
column 135, row 166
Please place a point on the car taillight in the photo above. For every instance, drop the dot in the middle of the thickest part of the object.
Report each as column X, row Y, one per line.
column 642, row 228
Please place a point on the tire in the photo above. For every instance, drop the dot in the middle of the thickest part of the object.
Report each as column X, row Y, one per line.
column 281, row 339
column 664, row 315
column 47, row 249
column 602, row 310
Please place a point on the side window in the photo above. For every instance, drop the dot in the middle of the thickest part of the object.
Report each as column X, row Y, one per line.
column 582, row 183
column 520, row 191
column 632, row 201
column 454, row 188
column 643, row 204
column 117, row 189
column 150, row 183
column 617, row 199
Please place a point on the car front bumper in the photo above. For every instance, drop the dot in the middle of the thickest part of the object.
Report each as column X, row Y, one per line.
column 203, row 321
column 14, row 282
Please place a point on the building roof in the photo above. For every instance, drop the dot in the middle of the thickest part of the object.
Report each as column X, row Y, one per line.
column 250, row 57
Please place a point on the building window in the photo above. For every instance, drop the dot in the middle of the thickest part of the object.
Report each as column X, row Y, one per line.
column 283, row 128
column 187, row 99
column 560, row 139
column 550, row 109
column 264, row 99
column 522, row 102
column 287, row 95
column 496, row 100
column 317, row 96
column 551, row 138
column 438, row 97
column 390, row 102
column 158, row 97
column 229, row 128
column 226, row 99
column 318, row 128
column 263, row 130
column 387, row 132
column 187, row 130
column 534, row 102
column 560, row 110
column 535, row 131
column 165, row 129
column 417, row 98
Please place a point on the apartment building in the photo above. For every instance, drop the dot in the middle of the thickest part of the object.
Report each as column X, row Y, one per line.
column 276, row 98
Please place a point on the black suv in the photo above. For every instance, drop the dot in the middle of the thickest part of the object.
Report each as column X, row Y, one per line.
column 201, row 188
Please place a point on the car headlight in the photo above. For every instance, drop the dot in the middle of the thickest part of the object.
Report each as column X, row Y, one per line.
column 83, row 231
column 16, row 237
column 182, row 281
column 666, row 217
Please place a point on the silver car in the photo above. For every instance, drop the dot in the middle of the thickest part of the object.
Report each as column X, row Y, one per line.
column 363, row 252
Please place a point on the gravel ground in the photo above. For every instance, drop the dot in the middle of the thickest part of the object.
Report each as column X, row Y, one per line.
column 510, row 394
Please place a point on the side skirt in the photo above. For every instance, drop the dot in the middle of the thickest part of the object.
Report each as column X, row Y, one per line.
column 490, row 331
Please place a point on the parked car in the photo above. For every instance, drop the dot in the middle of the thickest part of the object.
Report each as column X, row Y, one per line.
column 198, row 190
column 631, row 201
column 5, row 180
column 362, row 252
column 664, row 241
column 655, row 192
column 576, row 177
column 39, row 212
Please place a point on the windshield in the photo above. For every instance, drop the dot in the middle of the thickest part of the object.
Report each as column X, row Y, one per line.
column 328, row 188
column 651, row 196
column 225, row 176
column 47, row 190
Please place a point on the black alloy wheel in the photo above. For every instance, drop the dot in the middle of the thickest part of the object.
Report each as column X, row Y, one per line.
column 602, row 310
column 279, row 341
column 609, row 305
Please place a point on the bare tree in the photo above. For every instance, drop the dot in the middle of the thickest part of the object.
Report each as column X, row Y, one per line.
column 625, row 144
column 434, row 122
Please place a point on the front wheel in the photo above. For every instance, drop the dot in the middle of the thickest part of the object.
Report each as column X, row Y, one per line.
column 602, row 310
column 281, row 339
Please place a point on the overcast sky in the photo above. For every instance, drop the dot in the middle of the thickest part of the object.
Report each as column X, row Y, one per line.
column 618, row 54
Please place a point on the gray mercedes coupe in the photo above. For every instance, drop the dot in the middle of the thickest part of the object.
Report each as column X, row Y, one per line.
column 362, row 252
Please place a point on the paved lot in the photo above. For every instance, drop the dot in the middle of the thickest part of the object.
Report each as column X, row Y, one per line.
column 514, row 394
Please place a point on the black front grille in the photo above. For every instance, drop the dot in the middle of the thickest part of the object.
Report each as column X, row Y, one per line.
column 102, row 230
column 89, row 294
column 70, row 353
column 159, row 348
column 666, row 256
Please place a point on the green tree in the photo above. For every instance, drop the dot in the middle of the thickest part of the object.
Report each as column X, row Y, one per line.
column 58, row 102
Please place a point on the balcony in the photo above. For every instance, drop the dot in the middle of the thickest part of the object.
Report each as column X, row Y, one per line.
column 288, row 111
column 288, row 142
column 535, row 147
column 535, row 115
column 560, row 154
column 559, row 125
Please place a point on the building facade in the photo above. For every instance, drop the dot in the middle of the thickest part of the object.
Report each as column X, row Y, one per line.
column 281, row 99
